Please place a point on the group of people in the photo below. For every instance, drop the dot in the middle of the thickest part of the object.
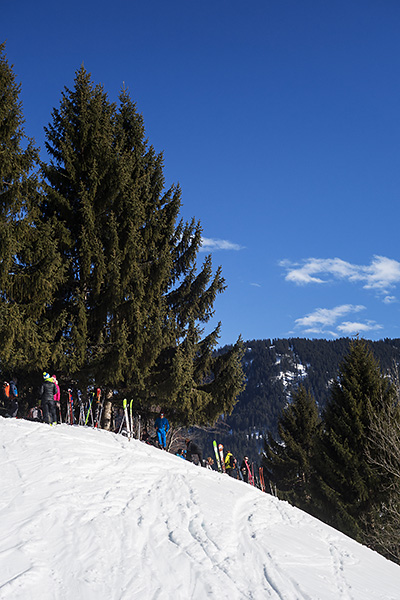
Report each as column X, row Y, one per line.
column 192, row 451
column 49, row 395
column 233, row 469
column 230, row 463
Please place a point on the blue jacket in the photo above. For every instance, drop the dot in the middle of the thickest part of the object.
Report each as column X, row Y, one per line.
column 13, row 390
column 162, row 424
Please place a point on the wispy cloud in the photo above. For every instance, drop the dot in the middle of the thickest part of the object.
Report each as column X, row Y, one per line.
column 210, row 245
column 382, row 274
column 321, row 319
column 353, row 327
column 328, row 321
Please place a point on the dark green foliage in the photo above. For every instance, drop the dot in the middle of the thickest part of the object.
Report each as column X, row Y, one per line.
column 288, row 461
column 29, row 264
column 132, row 304
column 348, row 488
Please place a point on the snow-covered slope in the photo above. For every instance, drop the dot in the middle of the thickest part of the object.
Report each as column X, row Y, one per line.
column 85, row 514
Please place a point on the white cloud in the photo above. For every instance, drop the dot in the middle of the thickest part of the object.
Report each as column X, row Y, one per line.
column 210, row 245
column 323, row 321
column 382, row 274
column 326, row 317
column 255, row 285
column 351, row 328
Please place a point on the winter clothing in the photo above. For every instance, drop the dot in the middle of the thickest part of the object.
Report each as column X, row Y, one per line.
column 230, row 464
column 245, row 470
column 209, row 463
column 162, row 427
column 12, row 408
column 191, row 449
column 46, row 393
column 57, row 395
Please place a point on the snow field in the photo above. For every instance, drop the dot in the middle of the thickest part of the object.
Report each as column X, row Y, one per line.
column 88, row 515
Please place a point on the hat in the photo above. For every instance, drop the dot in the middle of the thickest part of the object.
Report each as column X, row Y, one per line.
column 46, row 375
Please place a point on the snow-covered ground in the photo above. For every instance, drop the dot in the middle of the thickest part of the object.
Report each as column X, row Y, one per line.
column 85, row 514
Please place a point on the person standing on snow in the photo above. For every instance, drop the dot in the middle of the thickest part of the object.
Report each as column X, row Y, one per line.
column 245, row 469
column 57, row 396
column 46, row 393
column 230, row 464
column 162, row 427
column 12, row 409
column 192, row 449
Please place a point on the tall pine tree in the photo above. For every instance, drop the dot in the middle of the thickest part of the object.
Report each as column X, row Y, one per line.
column 288, row 461
column 132, row 304
column 349, row 488
column 30, row 266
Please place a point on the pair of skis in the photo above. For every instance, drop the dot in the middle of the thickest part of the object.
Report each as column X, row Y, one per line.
column 95, row 420
column 70, row 408
column 128, row 418
column 219, row 456
column 83, row 414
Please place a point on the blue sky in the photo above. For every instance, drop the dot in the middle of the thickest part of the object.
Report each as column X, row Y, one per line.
column 279, row 119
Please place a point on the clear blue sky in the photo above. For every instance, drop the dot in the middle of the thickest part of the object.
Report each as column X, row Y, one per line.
column 280, row 120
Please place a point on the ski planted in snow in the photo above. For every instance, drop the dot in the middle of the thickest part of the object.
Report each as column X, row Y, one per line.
column 90, row 412
column 70, row 408
column 99, row 408
column 128, row 425
column 131, row 415
column 217, row 456
column 261, row 474
column 221, row 456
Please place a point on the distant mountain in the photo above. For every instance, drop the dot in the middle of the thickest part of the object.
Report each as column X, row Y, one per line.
column 274, row 368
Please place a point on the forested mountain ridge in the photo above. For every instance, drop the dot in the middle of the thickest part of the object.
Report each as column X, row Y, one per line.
column 273, row 370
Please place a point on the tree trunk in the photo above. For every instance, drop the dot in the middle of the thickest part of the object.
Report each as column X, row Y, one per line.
column 107, row 414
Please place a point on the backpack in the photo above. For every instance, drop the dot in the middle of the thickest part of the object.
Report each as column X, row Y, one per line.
column 36, row 414
column 6, row 390
column 13, row 392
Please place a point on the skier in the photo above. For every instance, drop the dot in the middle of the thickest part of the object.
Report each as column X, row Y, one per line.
column 12, row 406
column 57, row 395
column 47, row 392
column 230, row 464
column 244, row 469
column 162, row 427
column 192, row 449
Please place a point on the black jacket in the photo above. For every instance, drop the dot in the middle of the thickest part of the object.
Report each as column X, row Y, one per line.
column 192, row 448
column 47, row 391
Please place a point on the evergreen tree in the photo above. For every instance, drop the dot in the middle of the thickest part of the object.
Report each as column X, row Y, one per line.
column 349, row 488
column 132, row 303
column 288, row 461
column 29, row 264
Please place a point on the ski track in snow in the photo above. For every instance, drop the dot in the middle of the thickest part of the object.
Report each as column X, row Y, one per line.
column 88, row 515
